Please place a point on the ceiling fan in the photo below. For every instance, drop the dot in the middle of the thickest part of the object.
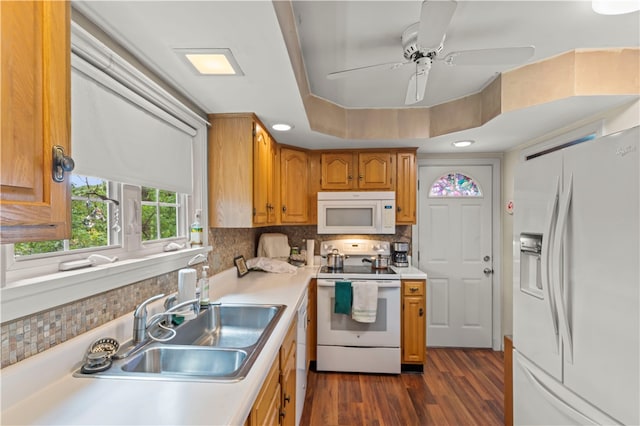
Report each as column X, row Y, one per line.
column 423, row 43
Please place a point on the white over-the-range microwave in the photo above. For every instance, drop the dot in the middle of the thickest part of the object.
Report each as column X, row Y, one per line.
column 357, row 212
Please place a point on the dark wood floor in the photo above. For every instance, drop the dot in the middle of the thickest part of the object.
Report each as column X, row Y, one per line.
column 458, row 387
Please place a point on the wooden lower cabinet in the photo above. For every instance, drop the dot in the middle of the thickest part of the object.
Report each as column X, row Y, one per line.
column 266, row 409
column 276, row 401
column 288, row 377
column 413, row 324
column 312, row 330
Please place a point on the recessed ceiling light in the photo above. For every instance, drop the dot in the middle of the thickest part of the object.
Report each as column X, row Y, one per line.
column 282, row 127
column 462, row 144
column 211, row 61
column 615, row 7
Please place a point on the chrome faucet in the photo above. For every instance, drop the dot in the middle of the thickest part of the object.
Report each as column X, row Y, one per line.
column 140, row 319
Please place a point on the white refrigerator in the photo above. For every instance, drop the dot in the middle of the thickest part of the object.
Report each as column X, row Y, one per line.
column 576, row 297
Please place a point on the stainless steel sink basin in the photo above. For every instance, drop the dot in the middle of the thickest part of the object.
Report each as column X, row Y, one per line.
column 187, row 360
column 221, row 344
column 238, row 326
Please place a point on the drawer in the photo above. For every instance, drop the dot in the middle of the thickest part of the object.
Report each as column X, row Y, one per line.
column 413, row 288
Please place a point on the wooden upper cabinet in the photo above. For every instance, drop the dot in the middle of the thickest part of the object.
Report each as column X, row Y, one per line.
column 35, row 109
column 337, row 171
column 241, row 172
column 406, row 188
column 294, row 178
column 263, row 188
column 357, row 170
column 375, row 170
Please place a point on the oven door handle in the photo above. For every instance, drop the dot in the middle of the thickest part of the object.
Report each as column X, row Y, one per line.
column 380, row 283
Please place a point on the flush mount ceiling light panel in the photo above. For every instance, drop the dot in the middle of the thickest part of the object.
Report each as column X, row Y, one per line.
column 211, row 61
column 462, row 144
column 282, row 127
column 615, row 7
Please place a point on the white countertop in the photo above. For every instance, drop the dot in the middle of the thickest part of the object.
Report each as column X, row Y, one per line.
column 410, row 273
column 42, row 389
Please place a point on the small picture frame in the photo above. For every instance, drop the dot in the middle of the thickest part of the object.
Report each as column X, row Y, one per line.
column 241, row 265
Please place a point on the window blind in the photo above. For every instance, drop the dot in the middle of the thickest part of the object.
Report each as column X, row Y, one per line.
column 117, row 134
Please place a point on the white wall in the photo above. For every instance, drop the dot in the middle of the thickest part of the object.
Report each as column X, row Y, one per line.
column 613, row 121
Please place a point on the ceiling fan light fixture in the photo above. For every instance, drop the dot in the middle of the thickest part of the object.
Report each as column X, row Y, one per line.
column 615, row 7
column 211, row 61
column 463, row 143
column 282, row 127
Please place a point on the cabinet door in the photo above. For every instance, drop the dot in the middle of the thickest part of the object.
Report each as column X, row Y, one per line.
column 413, row 322
column 288, row 376
column 375, row 170
column 288, row 411
column 266, row 408
column 262, row 178
column 406, row 188
column 311, row 322
column 337, row 171
column 35, row 113
column 230, row 162
column 294, row 178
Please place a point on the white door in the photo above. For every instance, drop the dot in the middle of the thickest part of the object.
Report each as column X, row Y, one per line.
column 455, row 249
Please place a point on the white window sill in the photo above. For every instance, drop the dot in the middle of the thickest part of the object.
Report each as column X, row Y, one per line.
column 28, row 296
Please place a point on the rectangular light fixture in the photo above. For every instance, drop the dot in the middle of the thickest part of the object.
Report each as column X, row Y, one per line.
column 211, row 61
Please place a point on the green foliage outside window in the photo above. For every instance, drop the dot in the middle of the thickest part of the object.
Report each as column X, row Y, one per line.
column 159, row 214
column 89, row 220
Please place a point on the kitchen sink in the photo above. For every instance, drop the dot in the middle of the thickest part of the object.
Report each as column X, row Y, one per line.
column 220, row 344
column 187, row 361
column 240, row 326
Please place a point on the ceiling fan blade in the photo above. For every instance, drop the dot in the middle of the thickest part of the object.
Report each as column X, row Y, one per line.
column 435, row 17
column 346, row 73
column 498, row 56
column 418, row 83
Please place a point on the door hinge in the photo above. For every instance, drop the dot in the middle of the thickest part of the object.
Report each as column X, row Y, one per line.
column 418, row 184
column 418, row 256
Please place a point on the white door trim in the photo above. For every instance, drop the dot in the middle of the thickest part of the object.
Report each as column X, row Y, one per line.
column 496, row 211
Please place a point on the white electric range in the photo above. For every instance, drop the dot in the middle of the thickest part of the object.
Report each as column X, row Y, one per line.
column 345, row 344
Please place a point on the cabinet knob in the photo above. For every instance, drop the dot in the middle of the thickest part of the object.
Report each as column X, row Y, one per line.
column 284, row 209
column 350, row 177
column 399, row 209
column 361, row 177
column 287, row 398
column 421, row 312
column 61, row 163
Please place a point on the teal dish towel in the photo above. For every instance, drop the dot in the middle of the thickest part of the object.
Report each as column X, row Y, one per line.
column 342, row 303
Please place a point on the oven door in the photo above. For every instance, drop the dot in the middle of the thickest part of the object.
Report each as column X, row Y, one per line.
column 340, row 330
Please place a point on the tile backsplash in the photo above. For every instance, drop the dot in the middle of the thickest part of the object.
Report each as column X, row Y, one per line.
column 32, row 334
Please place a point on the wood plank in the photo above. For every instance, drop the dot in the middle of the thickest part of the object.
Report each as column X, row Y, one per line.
column 458, row 386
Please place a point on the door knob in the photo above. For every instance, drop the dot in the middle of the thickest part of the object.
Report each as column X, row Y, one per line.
column 488, row 271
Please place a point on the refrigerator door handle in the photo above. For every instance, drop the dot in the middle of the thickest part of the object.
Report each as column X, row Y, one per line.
column 545, row 262
column 553, row 398
column 557, row 272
